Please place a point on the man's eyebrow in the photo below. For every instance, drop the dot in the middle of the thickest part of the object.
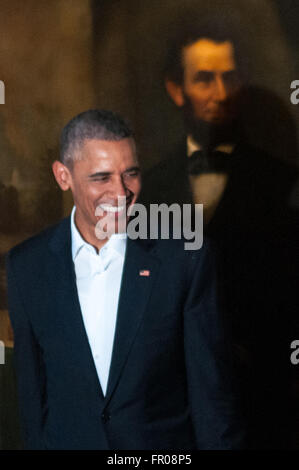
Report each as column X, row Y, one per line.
column 204, row 72
column 212, row 72
column 132, row 168
column 99, row 174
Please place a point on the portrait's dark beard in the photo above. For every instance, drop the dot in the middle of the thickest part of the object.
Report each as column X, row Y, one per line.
column 209, row 135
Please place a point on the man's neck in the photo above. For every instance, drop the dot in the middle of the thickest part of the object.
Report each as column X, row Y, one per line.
column 89, row 234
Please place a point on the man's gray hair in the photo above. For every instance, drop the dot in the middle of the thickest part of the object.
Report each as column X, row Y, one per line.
column 92, row 124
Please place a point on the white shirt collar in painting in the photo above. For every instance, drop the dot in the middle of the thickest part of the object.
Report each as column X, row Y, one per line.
column 193, row 146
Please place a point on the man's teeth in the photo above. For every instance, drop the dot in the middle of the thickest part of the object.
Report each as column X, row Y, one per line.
column 109, row 208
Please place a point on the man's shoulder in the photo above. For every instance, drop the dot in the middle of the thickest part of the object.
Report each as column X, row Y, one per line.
column 36, row 245
column 275, row 175
column 261, row 159
column 177, row 261
column 182, row 250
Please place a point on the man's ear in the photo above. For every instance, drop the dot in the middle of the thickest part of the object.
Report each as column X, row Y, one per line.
column 175, row 91
column 62, row 175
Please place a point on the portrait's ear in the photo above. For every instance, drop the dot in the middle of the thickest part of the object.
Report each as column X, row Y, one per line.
column 175, row 92
column 62, row 175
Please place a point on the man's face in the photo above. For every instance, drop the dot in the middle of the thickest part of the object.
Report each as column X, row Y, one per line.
column 106, row 171
column 210, row 83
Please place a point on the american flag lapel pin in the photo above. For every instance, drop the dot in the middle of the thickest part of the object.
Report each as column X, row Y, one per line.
column 144, row 272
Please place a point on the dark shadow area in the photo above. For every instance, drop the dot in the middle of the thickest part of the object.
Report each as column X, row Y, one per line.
column 10, row 438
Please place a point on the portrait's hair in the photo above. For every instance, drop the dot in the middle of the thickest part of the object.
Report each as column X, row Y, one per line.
column 216, row 29
column 92, row 124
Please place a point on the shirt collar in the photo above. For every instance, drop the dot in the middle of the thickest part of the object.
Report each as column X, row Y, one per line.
column 193, row 146
column 116, row 242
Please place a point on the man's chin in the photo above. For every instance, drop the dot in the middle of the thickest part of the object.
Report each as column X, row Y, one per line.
column 220, row 118
column 213, row 131
column 109, row 225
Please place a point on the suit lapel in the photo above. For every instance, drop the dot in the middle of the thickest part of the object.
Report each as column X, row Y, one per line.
column 135, row 292
column 63, row 290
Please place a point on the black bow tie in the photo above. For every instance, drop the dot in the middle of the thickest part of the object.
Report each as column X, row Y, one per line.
column 208, row 162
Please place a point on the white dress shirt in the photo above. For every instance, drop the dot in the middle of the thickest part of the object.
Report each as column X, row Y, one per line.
column 98, row 278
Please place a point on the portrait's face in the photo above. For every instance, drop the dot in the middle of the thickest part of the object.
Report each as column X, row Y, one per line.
column 106, row 171
column 210, row 82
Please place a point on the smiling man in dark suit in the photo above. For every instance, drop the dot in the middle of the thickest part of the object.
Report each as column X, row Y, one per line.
column 119, row 343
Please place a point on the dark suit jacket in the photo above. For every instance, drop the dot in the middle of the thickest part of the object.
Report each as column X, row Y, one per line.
column 254, row 231
column 169, row 385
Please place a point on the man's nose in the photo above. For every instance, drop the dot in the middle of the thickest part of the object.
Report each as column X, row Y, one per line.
column 221, row 90
column 120, row 188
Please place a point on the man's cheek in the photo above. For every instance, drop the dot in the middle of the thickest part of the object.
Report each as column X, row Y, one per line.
column 137, row 188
